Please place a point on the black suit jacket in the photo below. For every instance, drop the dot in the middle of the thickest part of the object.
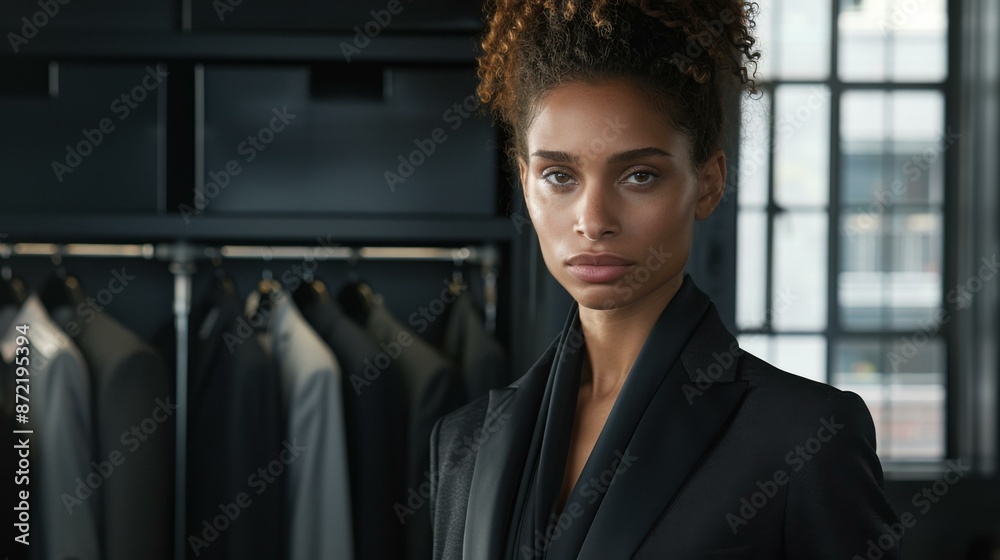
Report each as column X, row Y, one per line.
column 375, row 451
column 432, row 387
column 480, row 356
column 734, row 458
column 235, row 428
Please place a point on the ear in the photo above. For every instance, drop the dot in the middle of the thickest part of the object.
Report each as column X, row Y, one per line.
column 711, row 184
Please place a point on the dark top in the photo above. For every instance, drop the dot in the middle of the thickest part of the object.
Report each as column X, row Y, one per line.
column 708, row 452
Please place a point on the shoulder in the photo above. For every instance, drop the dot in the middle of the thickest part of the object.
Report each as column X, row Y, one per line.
column 797, row 406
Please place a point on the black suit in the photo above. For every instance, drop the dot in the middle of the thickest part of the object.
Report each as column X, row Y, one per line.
column 466, row 342
column 377, row 458
column 713, row 468
column 432, row 388
column 235, row 429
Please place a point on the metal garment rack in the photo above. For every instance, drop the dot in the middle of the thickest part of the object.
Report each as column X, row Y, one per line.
column 182, row 257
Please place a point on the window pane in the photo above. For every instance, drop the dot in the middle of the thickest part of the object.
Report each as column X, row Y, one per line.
column 893, row 146
column 803, row 355
column 902, row 382
column 800, row 255
column 890, row 269
column 751, row 259
column 892, row 40
column 755, row 147
column 802, row 145
column 794, row 38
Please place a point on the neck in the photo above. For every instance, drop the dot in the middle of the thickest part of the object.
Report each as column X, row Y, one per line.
column 615, row 336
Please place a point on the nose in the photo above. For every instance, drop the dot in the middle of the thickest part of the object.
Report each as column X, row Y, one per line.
column 596, row 215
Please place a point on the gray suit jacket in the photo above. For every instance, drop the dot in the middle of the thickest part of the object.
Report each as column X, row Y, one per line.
column 319, row 503
column 63, row 436
column 134, row 419
column 734, row 458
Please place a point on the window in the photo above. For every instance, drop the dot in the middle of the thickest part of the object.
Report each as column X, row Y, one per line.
column 841, row 208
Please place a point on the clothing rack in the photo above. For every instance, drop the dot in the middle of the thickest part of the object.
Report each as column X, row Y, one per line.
column 182, row 257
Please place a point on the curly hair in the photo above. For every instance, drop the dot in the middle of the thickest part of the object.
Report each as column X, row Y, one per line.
column 680, row 54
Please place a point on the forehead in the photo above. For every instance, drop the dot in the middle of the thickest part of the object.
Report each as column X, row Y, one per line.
column 574, row 116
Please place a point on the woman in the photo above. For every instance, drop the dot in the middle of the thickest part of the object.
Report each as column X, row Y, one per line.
column 644, row 431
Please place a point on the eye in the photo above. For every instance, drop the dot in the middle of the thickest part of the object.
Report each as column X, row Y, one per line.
column 557, row 178
column 645, row 177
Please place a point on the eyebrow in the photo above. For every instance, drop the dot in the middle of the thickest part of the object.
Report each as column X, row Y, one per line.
column 618, row 157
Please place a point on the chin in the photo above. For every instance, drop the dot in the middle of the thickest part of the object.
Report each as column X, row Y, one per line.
column 600, row 297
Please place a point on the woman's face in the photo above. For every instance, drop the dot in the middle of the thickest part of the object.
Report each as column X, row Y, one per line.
column 611, row 193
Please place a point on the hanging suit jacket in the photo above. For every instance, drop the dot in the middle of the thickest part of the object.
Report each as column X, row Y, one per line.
column 235, row 428
column 134, row 415
column 733, row 458
column 433, row 388
column 372, row 402
column 60, row 415
column 479, row 355
column 318, row 503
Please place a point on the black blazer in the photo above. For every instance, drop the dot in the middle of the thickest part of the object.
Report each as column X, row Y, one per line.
column 372, row 403
column 432, row 387
column 736, row 459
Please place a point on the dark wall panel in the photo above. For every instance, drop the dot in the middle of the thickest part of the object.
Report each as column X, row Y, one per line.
column 88, row 14
column 85, row 137
column 392, row 15
column 340, row 136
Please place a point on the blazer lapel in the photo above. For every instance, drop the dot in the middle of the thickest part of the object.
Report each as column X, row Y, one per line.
column 511, row 413
column 685, row 416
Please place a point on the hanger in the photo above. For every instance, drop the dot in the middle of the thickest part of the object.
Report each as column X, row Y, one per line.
column 457, row 284
column 13, row 291
column 61, row 289
column 356, row 298
column 311, row 292
column 222, row 296
column 224, row 287
column 265, row 292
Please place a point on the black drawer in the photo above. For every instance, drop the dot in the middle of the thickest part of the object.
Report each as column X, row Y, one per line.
column 85, row 137
column 345, row 139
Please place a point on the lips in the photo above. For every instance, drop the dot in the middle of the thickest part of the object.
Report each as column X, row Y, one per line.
column 598, row 267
